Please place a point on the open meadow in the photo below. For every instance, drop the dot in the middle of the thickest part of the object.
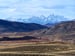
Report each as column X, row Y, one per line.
column 36, row 49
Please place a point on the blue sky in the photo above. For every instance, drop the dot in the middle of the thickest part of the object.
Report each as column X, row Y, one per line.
column 29, row 8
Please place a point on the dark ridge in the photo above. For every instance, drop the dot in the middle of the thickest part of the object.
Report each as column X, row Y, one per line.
column 8, row 26
column 21, row 38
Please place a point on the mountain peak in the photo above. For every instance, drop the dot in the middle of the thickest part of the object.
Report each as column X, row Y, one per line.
column 43, row 20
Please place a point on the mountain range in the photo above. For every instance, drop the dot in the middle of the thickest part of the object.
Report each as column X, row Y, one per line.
column 43, row 20
column 63, row 31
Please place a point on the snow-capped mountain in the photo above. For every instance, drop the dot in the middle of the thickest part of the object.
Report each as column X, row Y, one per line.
column 44, row 20
column 53, row 19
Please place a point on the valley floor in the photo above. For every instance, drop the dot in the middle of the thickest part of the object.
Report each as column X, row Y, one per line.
column 36, row 49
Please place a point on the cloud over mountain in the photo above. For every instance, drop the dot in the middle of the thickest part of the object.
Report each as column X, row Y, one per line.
column 29, row 8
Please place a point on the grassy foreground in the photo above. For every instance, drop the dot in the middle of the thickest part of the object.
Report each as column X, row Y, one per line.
column 26, row 49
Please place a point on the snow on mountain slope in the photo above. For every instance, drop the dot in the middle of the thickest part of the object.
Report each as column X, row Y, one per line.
column 43, row 20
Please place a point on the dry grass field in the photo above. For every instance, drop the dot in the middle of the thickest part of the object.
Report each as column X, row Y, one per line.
column 36, row 49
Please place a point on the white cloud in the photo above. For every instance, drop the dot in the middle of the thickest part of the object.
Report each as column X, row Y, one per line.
column 28, row 8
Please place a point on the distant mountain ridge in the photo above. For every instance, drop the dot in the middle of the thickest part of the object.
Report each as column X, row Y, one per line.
column 51, row 19
column 9, row 26
column 64, row 31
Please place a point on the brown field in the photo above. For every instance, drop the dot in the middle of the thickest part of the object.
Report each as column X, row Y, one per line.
column 36, row 49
